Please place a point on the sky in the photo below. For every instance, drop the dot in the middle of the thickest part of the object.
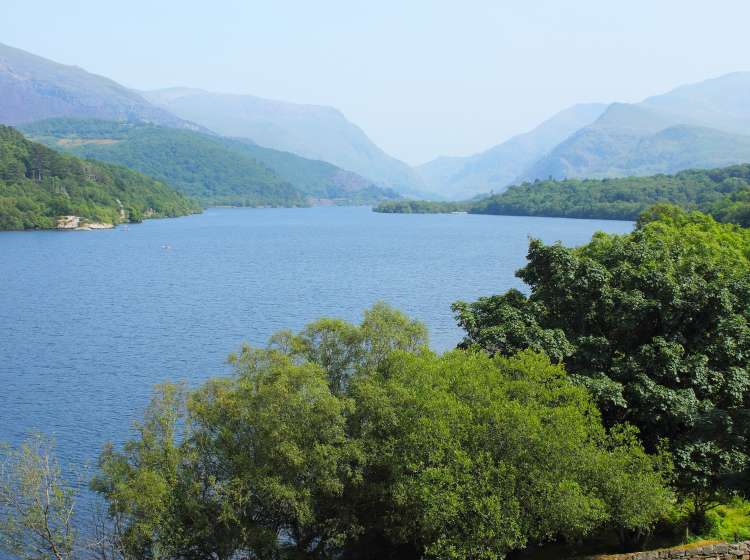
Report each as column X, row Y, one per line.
column 422, row 78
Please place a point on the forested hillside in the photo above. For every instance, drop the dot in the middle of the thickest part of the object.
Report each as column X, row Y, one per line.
column 723, row 193
column 311, row 131
column 37, row 185
column 214, row 170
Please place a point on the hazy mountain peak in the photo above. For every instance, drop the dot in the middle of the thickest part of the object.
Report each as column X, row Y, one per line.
column 247, row 105
column 497, row 167
column 170, row 94
column 722, row 102
column 312, row 131
column 700, row 125
column 34, row 88
column 632, row 118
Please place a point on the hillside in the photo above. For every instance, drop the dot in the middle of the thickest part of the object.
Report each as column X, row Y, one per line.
column 722, row 103
column 723, row 193
column 34, row 88
column 498, row 167
column 38, row 185
column 320, row 180
column 214, row 170
column 703, row 125
column 311, row 131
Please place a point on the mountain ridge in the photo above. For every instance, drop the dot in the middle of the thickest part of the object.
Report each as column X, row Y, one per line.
column 213, row 169
column 498, row 166
column 312, row 131
column 34, row 88
column 702, row 125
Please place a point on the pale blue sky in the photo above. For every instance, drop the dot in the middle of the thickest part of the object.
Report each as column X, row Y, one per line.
column 422, row 78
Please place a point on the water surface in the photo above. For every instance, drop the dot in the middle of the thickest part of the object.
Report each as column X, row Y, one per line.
column 90, row 321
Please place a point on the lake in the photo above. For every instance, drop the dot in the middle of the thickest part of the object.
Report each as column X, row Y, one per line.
column 90, row 321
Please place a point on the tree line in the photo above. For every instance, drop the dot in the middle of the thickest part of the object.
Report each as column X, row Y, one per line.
column 723, row 193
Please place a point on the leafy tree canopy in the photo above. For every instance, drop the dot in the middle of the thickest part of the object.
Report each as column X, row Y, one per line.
column 356, row 441
column 656, row 324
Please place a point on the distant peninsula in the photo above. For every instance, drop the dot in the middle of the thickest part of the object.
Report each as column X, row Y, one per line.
column 724, row 193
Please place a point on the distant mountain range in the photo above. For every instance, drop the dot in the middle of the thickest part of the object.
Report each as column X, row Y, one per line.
column 212, row 169
column 697, row 126
column 33, row 88
column 311, row 131
column 496, row 168
column 702, row 125
column 615, row 148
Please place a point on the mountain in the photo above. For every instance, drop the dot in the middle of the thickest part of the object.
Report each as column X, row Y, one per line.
column 311, row 131
column 34, row 88
column 39, row 185
column 496, row 168
column 702, row 125
column 722, row 103
column 214, row 170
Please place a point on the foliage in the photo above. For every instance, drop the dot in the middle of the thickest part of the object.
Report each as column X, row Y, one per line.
column 725, row 193
column 216, row 171
column 476, row 456
column 729, row 522
column 36, row 504
column 725, row 522
column 656, row 324
column 420, row 207
column 356, row 441
column 722, row 193
column 38, row 184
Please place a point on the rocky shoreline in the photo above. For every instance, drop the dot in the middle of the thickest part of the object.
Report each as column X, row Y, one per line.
column 76, row 223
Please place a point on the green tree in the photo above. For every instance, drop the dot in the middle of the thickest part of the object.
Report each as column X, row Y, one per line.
column 656, row 324
column 356, row 441
column 469, row 456
column 36, row 504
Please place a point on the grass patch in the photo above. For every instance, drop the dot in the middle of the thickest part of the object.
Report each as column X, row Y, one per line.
column 729, row 522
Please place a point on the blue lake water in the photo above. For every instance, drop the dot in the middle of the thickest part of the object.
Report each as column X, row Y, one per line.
column 90, row 321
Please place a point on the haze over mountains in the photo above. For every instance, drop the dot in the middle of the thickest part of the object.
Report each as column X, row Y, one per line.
column 33, row 88
column 212, row 169
column 312, row 131
column 272, row 146
column 498, row 167
column 702, row 125
column 193, row 158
